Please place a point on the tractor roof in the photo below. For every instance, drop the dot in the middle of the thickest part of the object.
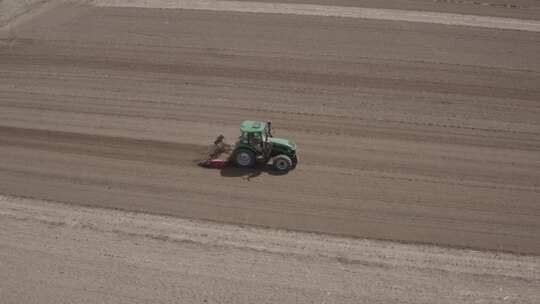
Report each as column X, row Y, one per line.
column 252, row 126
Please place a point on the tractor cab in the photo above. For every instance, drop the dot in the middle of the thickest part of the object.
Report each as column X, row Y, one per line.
column 255, row 134
column 256, row 143
column 255, row 129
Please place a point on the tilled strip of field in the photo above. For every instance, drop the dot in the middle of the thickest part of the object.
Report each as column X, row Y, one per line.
column 52, row 251
column 409, row 132
column 331, row 11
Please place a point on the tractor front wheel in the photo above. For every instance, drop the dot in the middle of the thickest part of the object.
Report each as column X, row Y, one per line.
column 282, row 163
column 244, row 158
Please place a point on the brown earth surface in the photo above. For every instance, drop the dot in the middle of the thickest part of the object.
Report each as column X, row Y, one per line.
column 52, row 253
column 11, row 9
column 523, row 9
column 409, row 132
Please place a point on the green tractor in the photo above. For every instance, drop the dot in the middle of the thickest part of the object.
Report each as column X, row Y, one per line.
column 257, row 144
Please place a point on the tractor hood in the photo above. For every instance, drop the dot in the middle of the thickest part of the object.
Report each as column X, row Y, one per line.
column 282, row 142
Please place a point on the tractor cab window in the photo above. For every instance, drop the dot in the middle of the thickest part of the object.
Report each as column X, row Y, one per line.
column 251, row 137
column 254, row 137
column 255, row 140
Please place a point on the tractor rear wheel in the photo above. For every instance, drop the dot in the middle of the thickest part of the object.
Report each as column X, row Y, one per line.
column 244, row 158
column 282, row 163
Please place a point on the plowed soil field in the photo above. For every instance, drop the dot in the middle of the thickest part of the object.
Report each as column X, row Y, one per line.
column 415, row 132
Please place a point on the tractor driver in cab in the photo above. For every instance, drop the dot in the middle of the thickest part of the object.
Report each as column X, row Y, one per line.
column 255, row 140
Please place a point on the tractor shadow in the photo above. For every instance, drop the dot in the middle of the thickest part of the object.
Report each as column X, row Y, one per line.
column 249, row 173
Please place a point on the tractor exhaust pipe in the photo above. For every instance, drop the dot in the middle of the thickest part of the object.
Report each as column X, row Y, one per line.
column 269, row 124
